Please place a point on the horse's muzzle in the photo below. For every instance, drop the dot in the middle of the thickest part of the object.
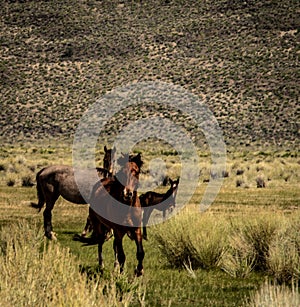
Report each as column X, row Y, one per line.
column 171, row 208
column 127, row 194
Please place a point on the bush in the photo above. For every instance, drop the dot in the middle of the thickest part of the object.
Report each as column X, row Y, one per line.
column 239, row 259
column 258, row 235
column 189, row 240
column 284, row 255
column 27, row 181
column 10, row 182
column 239, row 183
column 267, row 244
column 260, row 183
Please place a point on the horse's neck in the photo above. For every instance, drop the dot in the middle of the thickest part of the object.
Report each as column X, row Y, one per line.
column 168, row 194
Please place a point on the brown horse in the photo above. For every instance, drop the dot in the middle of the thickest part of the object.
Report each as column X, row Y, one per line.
column 59, row 180
column 115, row 205
column 162, row 202
column 108, row 164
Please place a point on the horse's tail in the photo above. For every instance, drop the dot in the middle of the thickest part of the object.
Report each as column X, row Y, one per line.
column 88, row 241
column 40, row 193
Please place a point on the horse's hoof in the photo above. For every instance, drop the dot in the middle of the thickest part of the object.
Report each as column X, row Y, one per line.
column 48, row 235
column 108, row 236
column 77, row 237
column 53, row 236
column 145, row 238
column 100, row 268
column 138, row 273
column 130, row 235
column 116, row 265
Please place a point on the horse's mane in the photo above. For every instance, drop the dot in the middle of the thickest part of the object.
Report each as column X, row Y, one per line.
column 137, row 159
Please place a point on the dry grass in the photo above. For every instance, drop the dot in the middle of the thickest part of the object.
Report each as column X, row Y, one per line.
column 270, row 295
column 37, row 272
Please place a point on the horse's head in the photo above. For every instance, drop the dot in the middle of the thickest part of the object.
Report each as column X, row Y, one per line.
column 129, row 174
column 172, row 193
column 109, row 159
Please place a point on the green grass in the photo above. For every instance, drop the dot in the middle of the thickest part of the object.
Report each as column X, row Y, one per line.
column 197, row 279
column 164, row 284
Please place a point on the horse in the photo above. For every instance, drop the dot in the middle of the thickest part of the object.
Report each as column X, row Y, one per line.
column 162, row 202
column 123, row 218
column 108, row 164
column 59, row 180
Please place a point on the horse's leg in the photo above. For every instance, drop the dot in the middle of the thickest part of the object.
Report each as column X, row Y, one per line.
column 40, row 192
column 139, row 252
column 98, row 235
column 47, row 219
column 116, row 264
column 164, row 214
column 101, row 240
column 146, row 216
column 88, row 227
column 119, row 252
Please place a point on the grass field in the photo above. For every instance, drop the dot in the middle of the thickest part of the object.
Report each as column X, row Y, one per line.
column 191, row 259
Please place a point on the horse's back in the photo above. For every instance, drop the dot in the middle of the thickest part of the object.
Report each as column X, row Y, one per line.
column 149, row 198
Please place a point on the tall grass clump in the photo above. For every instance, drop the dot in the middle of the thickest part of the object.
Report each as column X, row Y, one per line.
column 270, row 295
column 269, row 244
column 284, row 255
column 239, row 258
column 248, row 248
column 36, row 272
column 192, row 240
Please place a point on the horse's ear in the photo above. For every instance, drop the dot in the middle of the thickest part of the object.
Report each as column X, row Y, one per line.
column 105, row 148
column 139, row 159
column 136, row 159
column 123, row 159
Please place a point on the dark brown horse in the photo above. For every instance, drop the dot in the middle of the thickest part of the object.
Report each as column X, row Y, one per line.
column 59, row 180
column 115, row 205
column 108, row 164
column 162, row 202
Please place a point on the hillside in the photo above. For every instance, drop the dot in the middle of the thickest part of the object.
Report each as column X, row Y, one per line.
column 240, row 57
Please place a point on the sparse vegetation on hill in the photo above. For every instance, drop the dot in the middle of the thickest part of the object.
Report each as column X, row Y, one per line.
column 240, row 57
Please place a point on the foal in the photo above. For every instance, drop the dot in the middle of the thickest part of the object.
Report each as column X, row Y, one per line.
column 162, row 202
